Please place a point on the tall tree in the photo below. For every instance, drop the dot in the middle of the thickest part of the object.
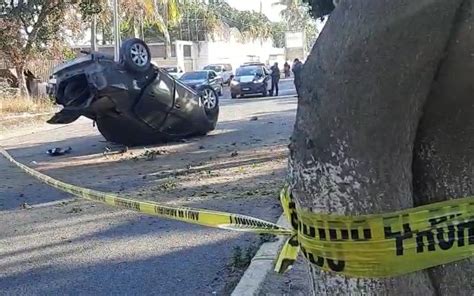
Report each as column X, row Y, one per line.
column 29, row 27
column 385, row 122
column 296, row 15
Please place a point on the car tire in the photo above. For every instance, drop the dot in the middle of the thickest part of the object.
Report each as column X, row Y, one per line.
column 135, row 55
column 233, row 96
column 209, row 99
column 211, row 108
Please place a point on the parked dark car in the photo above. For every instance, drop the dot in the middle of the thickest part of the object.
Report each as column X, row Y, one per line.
column 203, row 81
column 133, row 102
column 250, row 79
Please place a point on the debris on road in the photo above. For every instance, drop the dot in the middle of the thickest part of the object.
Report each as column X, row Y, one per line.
column 254, row 118
column 25, row 206
column 74, row 210
column 150, row 154
column 120, row 149
column 234, row 154
column 59, row 151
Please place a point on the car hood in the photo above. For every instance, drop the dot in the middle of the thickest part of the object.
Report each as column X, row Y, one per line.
column 193, row 82
column 247, row 78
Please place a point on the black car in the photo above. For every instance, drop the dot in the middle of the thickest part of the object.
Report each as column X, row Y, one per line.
column 203, row 81
column 132, row 101
column 250, row 79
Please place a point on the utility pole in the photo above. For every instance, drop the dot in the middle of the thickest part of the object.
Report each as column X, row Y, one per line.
column 116, row 31
column 94, row 33
column 261, row 12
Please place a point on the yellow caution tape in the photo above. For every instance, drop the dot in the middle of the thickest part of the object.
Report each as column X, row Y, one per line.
column 196, row 216
column 382, row 245
column 385, row 245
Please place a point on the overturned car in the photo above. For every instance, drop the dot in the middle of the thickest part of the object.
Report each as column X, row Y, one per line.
column 133, row 102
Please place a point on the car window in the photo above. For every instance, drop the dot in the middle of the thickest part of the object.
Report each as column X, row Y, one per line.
column 249, row 71
column 199, row 75
column 216, row 68
column 171, row 69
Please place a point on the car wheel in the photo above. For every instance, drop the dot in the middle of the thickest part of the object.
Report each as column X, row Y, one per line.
column 210, row 102
column 209, row 99
column 233, row 96
column 135, row 55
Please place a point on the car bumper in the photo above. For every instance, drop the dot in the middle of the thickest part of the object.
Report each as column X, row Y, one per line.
column 250, row 88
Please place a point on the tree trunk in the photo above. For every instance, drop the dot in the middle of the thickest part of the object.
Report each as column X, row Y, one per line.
column 166, row 33
column 94, row 33
column 20, row 72
column 370, row 73
column 444, row 151
column 136, row 28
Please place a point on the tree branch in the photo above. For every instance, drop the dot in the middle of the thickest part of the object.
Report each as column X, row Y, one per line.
column 34, row 32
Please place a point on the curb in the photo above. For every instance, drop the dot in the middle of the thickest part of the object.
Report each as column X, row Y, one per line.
column 262, row 263
column 26, row 115
column 282, row 97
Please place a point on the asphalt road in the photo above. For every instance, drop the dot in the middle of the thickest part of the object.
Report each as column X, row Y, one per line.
column 52, row 244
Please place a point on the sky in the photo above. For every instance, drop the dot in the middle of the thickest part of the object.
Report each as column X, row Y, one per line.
column 272, row 11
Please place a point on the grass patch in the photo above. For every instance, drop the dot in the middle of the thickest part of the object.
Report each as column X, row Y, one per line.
column 14, row 105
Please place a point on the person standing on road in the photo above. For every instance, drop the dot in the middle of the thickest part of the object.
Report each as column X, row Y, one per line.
column 287, row 69
column 297, row 69
column 275, row 79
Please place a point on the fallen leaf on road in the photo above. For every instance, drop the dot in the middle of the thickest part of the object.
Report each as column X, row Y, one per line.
column 234, row 154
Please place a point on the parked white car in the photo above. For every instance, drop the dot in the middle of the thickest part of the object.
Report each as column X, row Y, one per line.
column 174, row 72
column 224, row 71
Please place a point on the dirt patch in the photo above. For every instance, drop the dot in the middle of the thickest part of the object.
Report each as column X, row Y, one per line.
column 17, row 123
column 18, row 112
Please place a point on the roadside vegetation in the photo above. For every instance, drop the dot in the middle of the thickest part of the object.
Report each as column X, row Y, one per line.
column 17, row 104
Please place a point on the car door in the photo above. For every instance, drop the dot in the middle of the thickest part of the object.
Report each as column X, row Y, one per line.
column 268, row 81
column 214, row 81
column 226, row 73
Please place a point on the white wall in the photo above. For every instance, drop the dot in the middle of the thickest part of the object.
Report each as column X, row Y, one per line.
column 233, row 52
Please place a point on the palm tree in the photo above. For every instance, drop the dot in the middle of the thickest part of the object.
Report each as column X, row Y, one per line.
column 157, row 13
column 136, row 13
column 295, row 13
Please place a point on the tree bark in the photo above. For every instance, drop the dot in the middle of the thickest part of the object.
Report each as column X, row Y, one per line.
column 370, row 73
column 20, row 72
column 444, row 149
